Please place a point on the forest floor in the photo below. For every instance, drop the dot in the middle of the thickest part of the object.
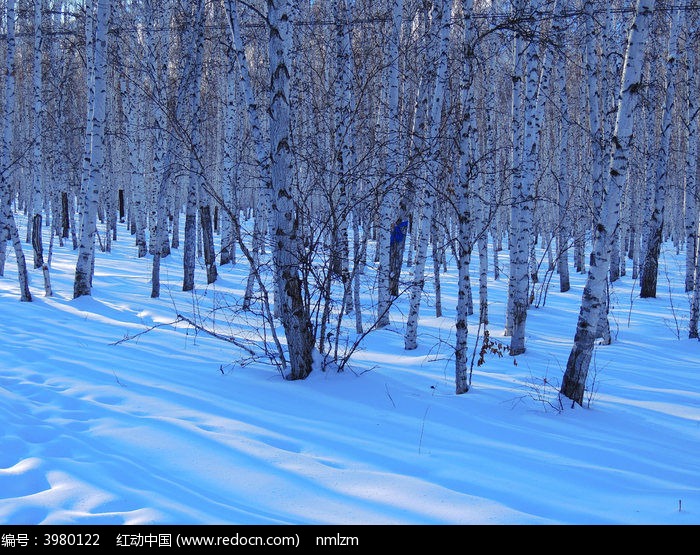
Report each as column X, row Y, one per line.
column 114, row 413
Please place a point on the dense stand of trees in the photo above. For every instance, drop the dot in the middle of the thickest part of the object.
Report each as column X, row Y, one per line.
column 338, row 146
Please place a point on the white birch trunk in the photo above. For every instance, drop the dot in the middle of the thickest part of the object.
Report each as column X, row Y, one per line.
column 436, row 240
column 189, row 253
column 650, row 267
column 494, row 188
column 157, row 60
column 574, row 381
column 196, row 158
column 691, row 165
column 8, row 227
column 481, row 151
column 255, row 250
column 523, row 202
column 136, row 183
column 196, row 196
column 650, row 152
column 90, row 102
column 634, row 223
column 229, row 188
column 85, row 265
column 37, row 158
column 481, row 186
column 595, row 125
column 516, row 169
column 563, row 179
column 158, row 71
column 389, row 200
column 610, row 70
column 539, row 75
column 695, row 304
column 262, row 150
column 440, row 31
column 465, row 231
column 359, row 253
column 293, row 311
column 344, row 151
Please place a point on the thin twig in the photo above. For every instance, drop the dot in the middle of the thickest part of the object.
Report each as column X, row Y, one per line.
column 422, row 428
column 228, row 338
column 389, row 395
column 198, row 327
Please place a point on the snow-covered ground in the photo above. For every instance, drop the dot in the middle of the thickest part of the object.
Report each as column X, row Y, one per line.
column 103, row 424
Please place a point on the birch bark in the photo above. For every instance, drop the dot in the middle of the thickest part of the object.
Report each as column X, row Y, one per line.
column 8, row 227
column 37, row 158
column 389, row 200
column 522, row 197
column 84, row 269
column 440, row 31
column 650, row 266
column 563, row 179
column 515, row 169
column 691, row 164
column 574, row 381
column 294, row 312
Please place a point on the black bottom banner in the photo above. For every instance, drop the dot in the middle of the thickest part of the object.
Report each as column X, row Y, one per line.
column 302, row 538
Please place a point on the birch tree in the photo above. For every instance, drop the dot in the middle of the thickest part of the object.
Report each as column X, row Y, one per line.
column 515, row 163
column 691, row 160
column 134, row 116
column 85, row 266
column 523, row 188
column 440, row 35
column 595, row 107
column 157, row 59
column 563, row 179
column 389, row 200
column 195, row 187
column 37, row 201
column 263, row 217
column 574, row 381
column 294, row 313
column 229, row 191
column 8, row 226
column 650, row 268
column 466, row 176
column 692, row 166
column 344, row 147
